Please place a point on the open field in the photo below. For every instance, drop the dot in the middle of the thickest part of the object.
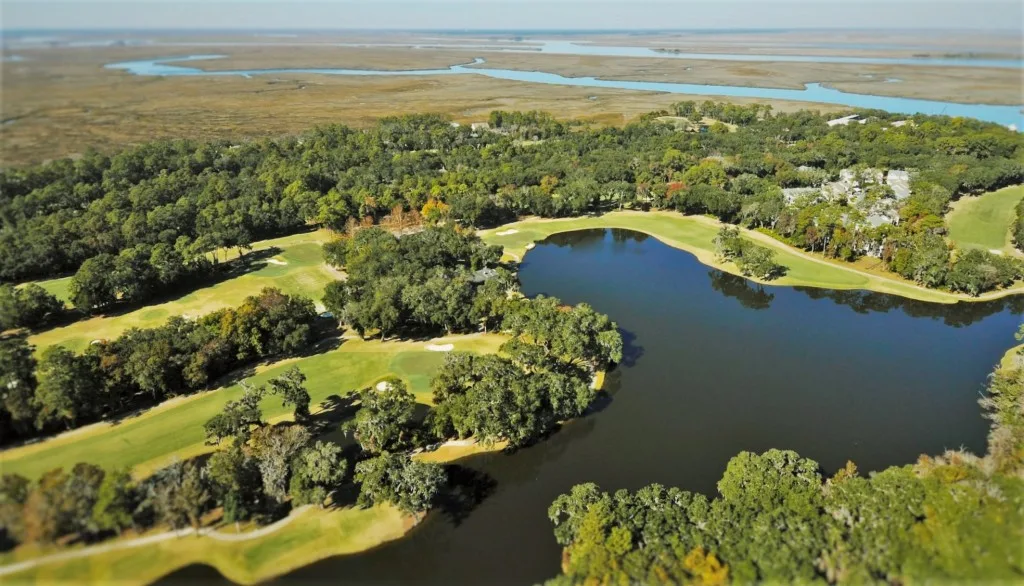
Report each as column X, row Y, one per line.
column 985, row 221
column 303, row 272
column 151, row 439
column 695, row 234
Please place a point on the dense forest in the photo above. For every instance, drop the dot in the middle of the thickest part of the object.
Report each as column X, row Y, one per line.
column 148, row 216
column 950, row 518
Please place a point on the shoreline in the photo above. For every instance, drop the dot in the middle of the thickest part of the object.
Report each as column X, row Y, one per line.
column 694, row 234
column 230, row 553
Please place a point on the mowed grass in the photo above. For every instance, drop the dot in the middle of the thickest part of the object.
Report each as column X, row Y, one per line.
column 174, row 429
column 695, row 234
column 984, row 221
column 313, row 534
column 303, row 272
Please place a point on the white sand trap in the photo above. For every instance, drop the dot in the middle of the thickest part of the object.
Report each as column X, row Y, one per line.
column 440, row 347
column 506, row 232
column 996, row 251
column 383, row 385
column 530, row 246
column 274, row 261
column 319, row 307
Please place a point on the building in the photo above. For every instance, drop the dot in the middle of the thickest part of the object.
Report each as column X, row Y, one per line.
column 846, row 120
column 791, row 194
column 899, row 181
column 484, row 274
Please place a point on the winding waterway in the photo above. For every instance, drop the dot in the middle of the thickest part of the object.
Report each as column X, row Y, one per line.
column 714, row 365
column 812, row 92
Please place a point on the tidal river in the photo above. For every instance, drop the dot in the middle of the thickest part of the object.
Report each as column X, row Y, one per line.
column 714, row 365
column 812, row 92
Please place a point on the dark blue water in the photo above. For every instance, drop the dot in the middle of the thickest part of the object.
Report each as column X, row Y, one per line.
column 812, row 92
column 714, row 365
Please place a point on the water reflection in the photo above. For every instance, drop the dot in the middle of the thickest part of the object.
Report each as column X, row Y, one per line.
column 750, row 294
column 959, row 314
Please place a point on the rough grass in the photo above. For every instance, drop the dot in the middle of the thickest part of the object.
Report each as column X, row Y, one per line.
column 313, row 535
column 695, row 234
column 984, row 221
column 152, row 439
column 305, row 273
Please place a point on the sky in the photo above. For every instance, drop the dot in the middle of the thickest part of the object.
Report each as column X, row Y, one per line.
column 511, row 14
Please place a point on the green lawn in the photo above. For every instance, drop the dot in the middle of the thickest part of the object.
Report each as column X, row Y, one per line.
column 695, row 234
column 175, row 428
column 313, row 535
column 984, row 221
column 303, row 272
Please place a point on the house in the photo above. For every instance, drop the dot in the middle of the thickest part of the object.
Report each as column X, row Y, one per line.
column 484, row 274
column 791, row 194
column 899, row 181
column 846, row 120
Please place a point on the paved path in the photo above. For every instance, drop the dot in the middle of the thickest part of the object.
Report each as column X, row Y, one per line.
column 149, row 540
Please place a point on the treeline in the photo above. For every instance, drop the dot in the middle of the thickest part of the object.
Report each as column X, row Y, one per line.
column 954, row 517
column 136, row 274
column 1018, row 227
column 260, row 473
column 438, row 279
column 196, row 197
column 752, row 259
column 927, row 259
column 30, row 307
column 144, row 366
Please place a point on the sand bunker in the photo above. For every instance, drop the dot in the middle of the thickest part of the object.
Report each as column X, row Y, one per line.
column 274, row 261
column 383, row 385
column 530, row 246
column 506, row 232
column 440, row 347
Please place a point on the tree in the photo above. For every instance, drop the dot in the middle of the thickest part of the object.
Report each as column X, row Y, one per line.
column 316, row 470
column 14, row 491
column 274, row 449
column 67, row 387
column 92, row 287
column 289, row 386
column 17, row 383
column 385, row 416
column 237, row 418
column 179, row 495
column 29, row 306
column 236, row 482
column 62, row 503
column 115, row 501
column 399, row 480
column 759, row 262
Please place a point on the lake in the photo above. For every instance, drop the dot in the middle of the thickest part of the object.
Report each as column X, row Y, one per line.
column 812, row 92
column 714, row 365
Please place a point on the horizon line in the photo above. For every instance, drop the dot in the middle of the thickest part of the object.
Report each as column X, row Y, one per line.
column 505, row 30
